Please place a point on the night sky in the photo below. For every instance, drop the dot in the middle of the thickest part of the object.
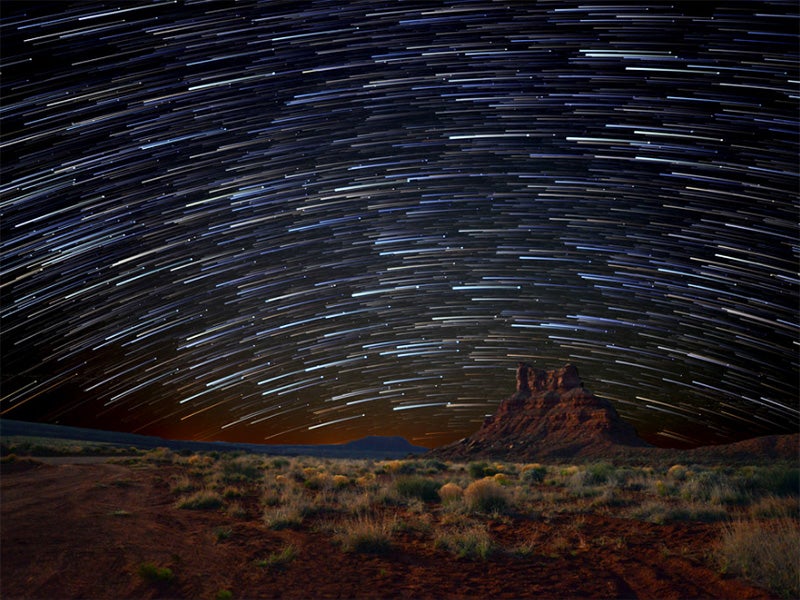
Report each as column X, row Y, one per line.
column 292, row 222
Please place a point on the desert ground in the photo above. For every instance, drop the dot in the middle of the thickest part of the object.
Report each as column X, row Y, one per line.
column 206, row 525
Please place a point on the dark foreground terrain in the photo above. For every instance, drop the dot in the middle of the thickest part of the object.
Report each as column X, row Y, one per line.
column 167, row 525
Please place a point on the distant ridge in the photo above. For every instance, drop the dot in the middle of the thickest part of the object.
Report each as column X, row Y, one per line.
column 377, row 447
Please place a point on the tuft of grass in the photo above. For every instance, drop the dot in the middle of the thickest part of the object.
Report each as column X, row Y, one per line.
column 182, row 485
column 150, row 572
column 284, row 517
column 120, row 512
column 486, row 495
column 366, row 534
column 232, row 492
column 472, row 543
column 224, row 595
column 767, row 553
column 200, row 500
column 279, row 560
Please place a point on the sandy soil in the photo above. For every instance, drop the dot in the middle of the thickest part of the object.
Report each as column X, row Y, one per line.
column 83, row 530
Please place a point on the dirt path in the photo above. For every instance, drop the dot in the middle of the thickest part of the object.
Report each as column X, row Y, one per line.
column 83, row 530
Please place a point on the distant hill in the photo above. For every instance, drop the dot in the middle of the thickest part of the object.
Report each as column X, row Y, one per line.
column 376, row 447
column 377, row 443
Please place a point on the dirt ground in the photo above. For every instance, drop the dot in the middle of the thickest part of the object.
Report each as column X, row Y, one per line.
column 84, row 530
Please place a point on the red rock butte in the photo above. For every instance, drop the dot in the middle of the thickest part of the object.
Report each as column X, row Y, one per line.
column 550, row 415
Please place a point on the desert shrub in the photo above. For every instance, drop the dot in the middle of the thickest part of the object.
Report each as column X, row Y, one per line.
column 414, row 486
column 366, row 534
column 317, row 482
column 451, row 492
column 241, row 468
column 598, row 473
column 777, row 480
column 659, row 513
column 432, row 465
column 201, row 500
column 677, row 472
column 235, row 510
column 154, row 574
column 232, row 492
column 774, row 506
column 472, row 542
column 502, row 478
column 367, row 480
column 609, row 497
column 767, row 553
column 480, row 469
column 199, row 461
column 341, row 481
column 400, row 467
column 279, row 463
column 666, row 488
column 715, row 487
column 161, row 456
column 534, row 473
column 486, row 495
column 283, row 517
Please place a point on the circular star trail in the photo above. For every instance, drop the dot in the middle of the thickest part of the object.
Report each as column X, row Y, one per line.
column 312, row 221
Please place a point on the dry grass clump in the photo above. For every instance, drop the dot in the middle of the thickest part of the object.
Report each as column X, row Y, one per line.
column 366, row 534
column 677, row 472
column 486, row 495
column 661, row 513
column 279, row 560
column 766, row 552
column 775, row 506
column 468, row 542
column 200, row 500
column 284, row 517
column 182, row 484
column 450, row 493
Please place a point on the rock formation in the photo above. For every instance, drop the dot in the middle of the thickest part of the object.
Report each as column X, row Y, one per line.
column 550, row 415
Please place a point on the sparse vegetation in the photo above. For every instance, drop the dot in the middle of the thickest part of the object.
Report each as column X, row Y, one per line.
column 767, row 552
column 479, row 510
column 154, row 574
column 279, row 560
column 201, row 500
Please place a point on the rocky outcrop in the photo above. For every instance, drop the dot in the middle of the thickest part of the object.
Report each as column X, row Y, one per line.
column 550, row 415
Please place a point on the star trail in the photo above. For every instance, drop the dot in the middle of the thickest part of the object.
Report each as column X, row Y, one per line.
column 312, row 221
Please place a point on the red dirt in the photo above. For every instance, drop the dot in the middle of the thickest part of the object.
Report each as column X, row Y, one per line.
column 61, row 538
